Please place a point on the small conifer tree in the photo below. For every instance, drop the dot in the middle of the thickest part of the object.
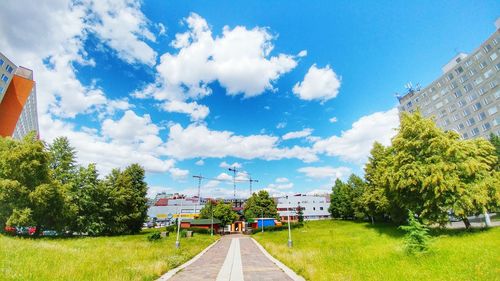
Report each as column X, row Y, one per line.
column 417, row 235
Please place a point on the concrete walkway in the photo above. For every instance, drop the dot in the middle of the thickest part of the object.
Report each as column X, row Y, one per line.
column 234, row 258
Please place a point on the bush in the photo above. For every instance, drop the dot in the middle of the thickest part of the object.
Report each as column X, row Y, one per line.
column 417, row 235
column 198, row 230
column 154, row 236
column 278, row 228
column 183, row 233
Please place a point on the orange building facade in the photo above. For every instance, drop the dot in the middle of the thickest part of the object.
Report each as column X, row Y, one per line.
column 18, row 113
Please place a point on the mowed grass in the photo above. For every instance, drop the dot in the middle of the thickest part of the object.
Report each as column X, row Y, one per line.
column 343, row 250
column 129, row 257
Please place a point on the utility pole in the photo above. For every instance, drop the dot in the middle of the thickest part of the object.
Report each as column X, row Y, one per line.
column 199, row 186
column 177, row 242
column 250, row 180
column 234, row 170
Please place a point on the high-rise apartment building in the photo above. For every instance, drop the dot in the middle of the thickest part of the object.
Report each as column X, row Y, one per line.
column 18, row 112
column 466, row 98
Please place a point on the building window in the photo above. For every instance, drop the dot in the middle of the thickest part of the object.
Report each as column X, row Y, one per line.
column 321, row 208
column 460, row 126
column 450, row 77
column 475, row 132
column 493, row 56
column 472, row 72
column 1, row 62
column 5, row 78
column 493, row 84
column 486, row 100
column 468, row 88
column 478, row 55
column 466, row 112
column 468, row 63
column 487, row 48
column 497, row 94
column 471, row 121
column 465, row 136
column 462, row 103
column 478, row 80
column 457, row 94
column 497, row 66
column 488, row 73
column 486, row 126
column 483, row 64
column 492, row 110
column 476, row 106
column 472, row 97
column 455, row 117
column 482, row 91
column 314, row 208
column 481, row 116
column 459, row 70
column 9, row 68
column 439, row 104
column 1, row 89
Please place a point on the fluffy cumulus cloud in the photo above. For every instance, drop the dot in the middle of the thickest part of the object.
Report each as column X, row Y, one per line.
column 318, row 84
column 198, row 141
column 325, row 172
column 50, row 40
column 280, row 184
column 239, row 59
column 354, row 145
column 226, row 165
column 297, row 134
column 123, row 27
column 193, row 109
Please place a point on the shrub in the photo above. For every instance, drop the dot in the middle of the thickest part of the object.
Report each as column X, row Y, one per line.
column 154, row 236
column 278, row 228
column 417, row 235
column 199, row 230
column 183, row 233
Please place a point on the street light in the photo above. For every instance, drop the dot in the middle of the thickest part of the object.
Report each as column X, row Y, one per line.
column 212, row 225
column 262, row 220
column 177, row 242
column 290, row 243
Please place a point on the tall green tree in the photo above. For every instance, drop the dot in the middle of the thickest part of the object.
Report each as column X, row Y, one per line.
column 495, row 141
column 374, row 200
column 433, row 172
column 225, row 213
column 260, row 204
column 357, row 186
column 340, row 201
column 62, row 160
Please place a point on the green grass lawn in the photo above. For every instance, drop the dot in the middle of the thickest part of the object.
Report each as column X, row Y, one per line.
column 129, row 257
column 343, row 250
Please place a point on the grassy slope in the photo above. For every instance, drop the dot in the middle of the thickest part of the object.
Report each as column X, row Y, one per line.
column 341, row 250
column 129, row 257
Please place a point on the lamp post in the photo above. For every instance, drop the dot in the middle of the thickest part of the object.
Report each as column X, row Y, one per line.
column 177, row 242
column 262, row 220
column 290, row 243
column 212, row 225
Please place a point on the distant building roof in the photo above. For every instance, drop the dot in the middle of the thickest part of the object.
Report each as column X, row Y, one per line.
column 202, row 221
column 162, row 202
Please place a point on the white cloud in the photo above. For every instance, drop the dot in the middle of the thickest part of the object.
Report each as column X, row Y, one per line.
column 282, row 180
column 227, row 165
column 325, row 172
column 318, row 84
column 239, row 60
column 333, row 120
column 281, row 125
column 280, row 184
column 195, row 110
column 197, row 140
column 297, row 134
column 123, row 27
column 200, row 162
column 178, row 173
column 302, row 53
column 354, row 145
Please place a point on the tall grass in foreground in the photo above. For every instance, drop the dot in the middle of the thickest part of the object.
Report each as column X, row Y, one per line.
column 129, row 257
column 343, row 250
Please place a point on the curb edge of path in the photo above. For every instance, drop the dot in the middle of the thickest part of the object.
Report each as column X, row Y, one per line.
column 294, row 276
column 169, row 274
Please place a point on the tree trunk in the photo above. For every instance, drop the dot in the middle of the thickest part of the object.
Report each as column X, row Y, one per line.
column 466, row 222
column 373, row 221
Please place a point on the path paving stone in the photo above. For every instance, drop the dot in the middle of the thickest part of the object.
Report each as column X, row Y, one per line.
column 207, row 266
column 256, row 266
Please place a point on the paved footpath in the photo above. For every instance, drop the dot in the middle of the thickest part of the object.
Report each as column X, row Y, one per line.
column 232, row 258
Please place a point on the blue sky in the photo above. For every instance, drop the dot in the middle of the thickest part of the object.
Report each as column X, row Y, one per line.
column 293, row 92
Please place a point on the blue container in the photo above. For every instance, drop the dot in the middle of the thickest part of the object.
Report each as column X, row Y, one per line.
column 266, row 221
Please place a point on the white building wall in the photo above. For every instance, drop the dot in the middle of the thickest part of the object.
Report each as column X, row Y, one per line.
column 314, row 207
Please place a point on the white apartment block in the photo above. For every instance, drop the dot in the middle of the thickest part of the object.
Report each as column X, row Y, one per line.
column 466, row 97
column 314, row 207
